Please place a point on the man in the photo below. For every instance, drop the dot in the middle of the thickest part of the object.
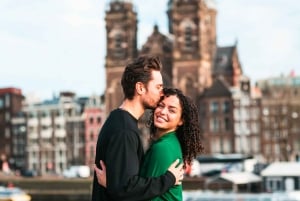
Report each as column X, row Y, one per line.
column 119, row 145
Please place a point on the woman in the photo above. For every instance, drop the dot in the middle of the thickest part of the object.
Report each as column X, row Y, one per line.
column 175, row 133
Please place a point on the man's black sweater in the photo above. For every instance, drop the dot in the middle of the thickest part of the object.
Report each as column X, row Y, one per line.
column 120, row 147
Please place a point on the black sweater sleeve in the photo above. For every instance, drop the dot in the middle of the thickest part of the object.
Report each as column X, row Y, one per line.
column 122, row 166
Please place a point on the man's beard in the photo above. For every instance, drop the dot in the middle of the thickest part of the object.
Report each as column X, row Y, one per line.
column 149, row 106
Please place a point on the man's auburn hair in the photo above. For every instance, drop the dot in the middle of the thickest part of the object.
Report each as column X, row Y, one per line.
column 139, row 70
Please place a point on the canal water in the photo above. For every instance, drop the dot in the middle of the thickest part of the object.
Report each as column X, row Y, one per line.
column 223, row 196
column 200, row 196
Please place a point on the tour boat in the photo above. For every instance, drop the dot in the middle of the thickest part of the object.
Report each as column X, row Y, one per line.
column 13, row 194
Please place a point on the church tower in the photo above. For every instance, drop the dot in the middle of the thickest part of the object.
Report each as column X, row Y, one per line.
column 121, row 37
column 193, row 26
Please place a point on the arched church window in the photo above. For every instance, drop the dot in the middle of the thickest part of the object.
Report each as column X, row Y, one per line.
column 188, row 37
column 118, row 50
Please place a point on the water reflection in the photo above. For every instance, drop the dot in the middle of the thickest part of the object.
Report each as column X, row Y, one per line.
column 223, row 196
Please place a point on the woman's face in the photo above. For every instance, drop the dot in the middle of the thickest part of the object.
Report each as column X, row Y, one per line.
column 167, row 115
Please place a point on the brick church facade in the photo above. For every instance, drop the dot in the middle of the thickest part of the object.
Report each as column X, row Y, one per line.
column 192, row 61
column 191, row 58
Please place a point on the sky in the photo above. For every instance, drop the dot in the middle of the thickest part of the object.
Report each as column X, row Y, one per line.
column 48, row 46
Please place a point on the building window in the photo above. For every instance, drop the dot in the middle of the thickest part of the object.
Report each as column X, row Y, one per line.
column 7, row 133
column 59, row 113
column 7, row 100
column 255, row 144
column 214, row 107
column 45, row 114
column 99, row 120
column 188, row 33
column 274, row 184
column 15, row 150
column 91, row 120
column 32, row 115
column 82, row 138
column 237, row 103
column 237, row 128
column 265, row 111
column 226, row 107
column 254, row 127
column 214, row 125
column 1, row 103
column 22, row 129
column 295, row 92
column 91, row 135
column 215, row 146
column 61, row 153
column 118, row 50
column 7, row 116
column 254, row 113
column 58, row 126
column 227, row 146
column 227, row 124
column 34, row 165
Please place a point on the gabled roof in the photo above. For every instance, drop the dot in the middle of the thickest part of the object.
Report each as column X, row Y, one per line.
column 240, row 177
column 219, row 88
column 282, row 169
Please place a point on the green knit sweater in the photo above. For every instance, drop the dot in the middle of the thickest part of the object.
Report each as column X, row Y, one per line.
column 162, row 153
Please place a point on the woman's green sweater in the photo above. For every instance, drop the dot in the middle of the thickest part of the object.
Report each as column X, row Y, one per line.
column 162, row 153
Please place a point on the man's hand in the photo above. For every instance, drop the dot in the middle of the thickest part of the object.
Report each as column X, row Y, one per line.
column 177, row 171
column 101, row 174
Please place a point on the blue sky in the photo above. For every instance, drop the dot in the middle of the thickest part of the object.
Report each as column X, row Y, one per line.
column 47, row 46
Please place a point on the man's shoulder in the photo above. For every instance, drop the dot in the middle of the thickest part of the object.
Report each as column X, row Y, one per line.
column 116, row 116
column 115, row 112
column 120, row 114
column 120, row 121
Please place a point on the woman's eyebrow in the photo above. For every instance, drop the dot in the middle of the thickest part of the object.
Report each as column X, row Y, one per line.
column 173, row 107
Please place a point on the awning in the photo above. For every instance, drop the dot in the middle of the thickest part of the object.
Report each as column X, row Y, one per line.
column 240, row 177
column 282, row 169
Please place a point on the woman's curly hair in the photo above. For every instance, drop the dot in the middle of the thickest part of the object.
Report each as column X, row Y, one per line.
column 189, row 133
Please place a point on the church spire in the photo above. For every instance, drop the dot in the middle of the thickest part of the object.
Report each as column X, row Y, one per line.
column 155, row 28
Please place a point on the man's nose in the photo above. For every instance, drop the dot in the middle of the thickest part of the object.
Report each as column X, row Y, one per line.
column 161, row 93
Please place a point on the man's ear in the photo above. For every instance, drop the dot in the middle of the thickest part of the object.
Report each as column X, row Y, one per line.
column 140, row 88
